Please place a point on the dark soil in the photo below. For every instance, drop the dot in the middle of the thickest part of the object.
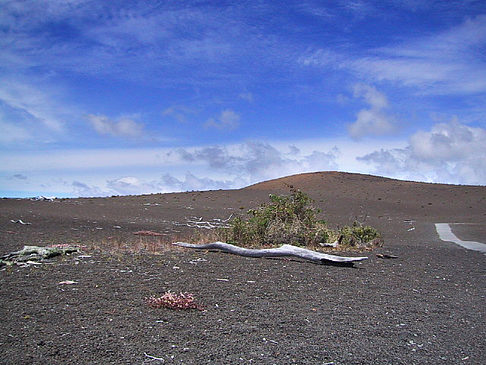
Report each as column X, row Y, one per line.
column 425, row 307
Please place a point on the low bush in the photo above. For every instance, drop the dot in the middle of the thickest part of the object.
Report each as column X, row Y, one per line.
column 292, row 219
column 359, row 235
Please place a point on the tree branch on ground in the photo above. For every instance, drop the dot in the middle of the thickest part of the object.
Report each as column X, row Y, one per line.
column 283, row 251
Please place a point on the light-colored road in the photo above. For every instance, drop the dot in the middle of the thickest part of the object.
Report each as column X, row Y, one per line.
column 445, row 233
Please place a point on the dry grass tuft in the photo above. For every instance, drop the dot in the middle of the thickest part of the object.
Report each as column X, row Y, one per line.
column 143, row 243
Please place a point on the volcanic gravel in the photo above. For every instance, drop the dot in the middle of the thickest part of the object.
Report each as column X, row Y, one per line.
column 427, row 306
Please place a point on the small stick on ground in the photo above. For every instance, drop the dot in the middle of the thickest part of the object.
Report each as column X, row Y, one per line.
column 386, row 256
column 153, row 358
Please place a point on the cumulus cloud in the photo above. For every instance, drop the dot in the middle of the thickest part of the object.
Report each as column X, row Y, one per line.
column 449, row 152
column 138, row 171
column 227, row 120
column 320, row 161
column 373, row 120
column 130, row 185
column 193, row 182
column 218, row 167
column 260, row 159
column 448, row 141
column 217, row 157
column 179, row 113
column 255, row 161
column 123, row 127
column 80, row 189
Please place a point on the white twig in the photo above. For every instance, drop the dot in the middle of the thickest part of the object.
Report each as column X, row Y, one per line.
column 20, row 221
column 226, row 220
column 153, row 358
column 197, row 222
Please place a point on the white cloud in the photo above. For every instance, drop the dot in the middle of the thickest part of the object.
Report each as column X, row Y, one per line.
column 246, row 96
column 136, row 171
column 360, row 9
column 224, row 167
column 86, row 159
column 227, row 120
column 374, row 120
column 449, row 152
column 449, row 62
column 130, row 185
column 424, row 157
column 272, row 159
column 124, row 127
column 193, row 182
column 80, row 189
column 372, row 96
column 12, row 133
column 34, row 102
column 323, row 58
column 122, row 38
column 255, row 161
column 449, row 141
column 20, row 177
column 390, row 162
column 179, row 113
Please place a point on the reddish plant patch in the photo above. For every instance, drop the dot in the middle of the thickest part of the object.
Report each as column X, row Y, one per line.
column 174, row 301
column 147, row 233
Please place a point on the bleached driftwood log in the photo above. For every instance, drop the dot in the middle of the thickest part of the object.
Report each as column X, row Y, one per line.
column 282, row 251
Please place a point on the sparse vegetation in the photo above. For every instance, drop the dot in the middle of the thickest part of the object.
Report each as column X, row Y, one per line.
column 174, row 301
column 292, row 219
column 358, row 234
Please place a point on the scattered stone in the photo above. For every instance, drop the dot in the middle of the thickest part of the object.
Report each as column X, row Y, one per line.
column 30, row 254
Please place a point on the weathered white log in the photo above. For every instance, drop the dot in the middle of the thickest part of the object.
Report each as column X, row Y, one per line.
column 282, row 251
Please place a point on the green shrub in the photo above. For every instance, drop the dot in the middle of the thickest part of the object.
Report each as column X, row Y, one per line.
column 292, row 220
column 358, row 235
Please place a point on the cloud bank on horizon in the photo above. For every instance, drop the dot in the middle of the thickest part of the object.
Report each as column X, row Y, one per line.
column 131, row 97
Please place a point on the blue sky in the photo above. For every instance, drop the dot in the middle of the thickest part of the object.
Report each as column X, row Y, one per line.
column 127, row 97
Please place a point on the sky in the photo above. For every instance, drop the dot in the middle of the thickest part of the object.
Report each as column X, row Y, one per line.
column 101, row 98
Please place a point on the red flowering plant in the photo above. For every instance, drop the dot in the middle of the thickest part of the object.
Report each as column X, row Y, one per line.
column 174, row 301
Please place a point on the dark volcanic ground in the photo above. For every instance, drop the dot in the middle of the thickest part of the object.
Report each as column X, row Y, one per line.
column 427, row 306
